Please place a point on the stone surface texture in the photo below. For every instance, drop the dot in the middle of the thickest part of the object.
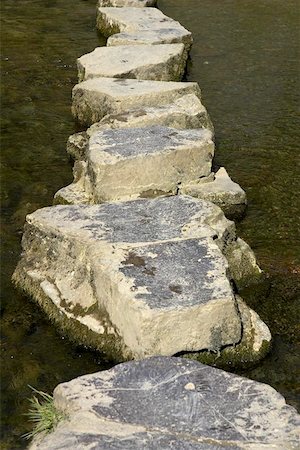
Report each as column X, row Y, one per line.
column 142, row 20
column 220, row 190
column 184, row 113
column 126, row 3
column 149, row 274
column 152, row 37
column 163, row 403
column 161, row 63
column 95, row 98
column 160, row 158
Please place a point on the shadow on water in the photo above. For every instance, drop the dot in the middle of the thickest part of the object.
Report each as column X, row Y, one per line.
column 245, row 60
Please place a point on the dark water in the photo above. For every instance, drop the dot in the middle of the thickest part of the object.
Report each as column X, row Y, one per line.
column 245, row 58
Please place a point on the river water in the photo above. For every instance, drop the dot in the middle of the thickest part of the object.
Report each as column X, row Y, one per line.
column 245, row 58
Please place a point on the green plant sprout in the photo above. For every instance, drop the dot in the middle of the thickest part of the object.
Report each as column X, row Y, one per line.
column 43, row 413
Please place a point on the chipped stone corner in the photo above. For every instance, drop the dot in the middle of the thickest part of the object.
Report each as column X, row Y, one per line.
column 220, row 190
column 254, row 345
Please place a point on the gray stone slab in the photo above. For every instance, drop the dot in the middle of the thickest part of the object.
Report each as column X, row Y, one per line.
column 95, row 98
column 149, row 275
column 161, row 63
column 163, row 402
column 126, row 3
column 152, row 37
column 222, row 191
column 141, row 20
column 139, row 162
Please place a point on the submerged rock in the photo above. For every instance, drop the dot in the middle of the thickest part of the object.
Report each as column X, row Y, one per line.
column 142, row 20
column 162, row 63
column 136, row 278
column 163, row 402
column 160, row 158
column 95, row 98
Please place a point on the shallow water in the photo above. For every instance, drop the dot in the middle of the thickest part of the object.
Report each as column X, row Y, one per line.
column 245, row 59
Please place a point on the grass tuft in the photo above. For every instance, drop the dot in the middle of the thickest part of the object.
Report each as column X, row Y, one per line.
column 42, row 413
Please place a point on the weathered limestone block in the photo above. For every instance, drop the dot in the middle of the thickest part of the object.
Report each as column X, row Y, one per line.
column 142, row 162
column 139, row 278
column 95, row 98
column 126, row 3
column 220, row 190
column 141, row 20
column 184, row 113
column 151, row 37
column 164, row 402
column 161, row 63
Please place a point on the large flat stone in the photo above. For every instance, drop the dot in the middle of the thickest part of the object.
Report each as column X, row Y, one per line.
column 126, row 3
column 140, row 162
column 184, row 113
column 152, row 37
column 136, row 20
column 95, row 98
column 163, row 403
column 139, row 278
column 162, row 63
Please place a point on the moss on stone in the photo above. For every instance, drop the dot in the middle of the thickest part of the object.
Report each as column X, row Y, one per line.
column 111, row 345
column 241, row 356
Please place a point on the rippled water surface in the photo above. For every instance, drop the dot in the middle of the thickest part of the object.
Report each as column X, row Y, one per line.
column 245, row 58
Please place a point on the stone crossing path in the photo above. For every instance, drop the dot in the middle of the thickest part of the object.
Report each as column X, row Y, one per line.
column 138, row 262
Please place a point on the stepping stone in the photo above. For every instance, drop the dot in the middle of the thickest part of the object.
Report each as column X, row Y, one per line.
column 184, row 113
column 141, row 162
column 135, row 278
column 132, row 20
column 164, row 403
column 130, row 3
column 220, row 190
column 152, row 37
column 162, row 62
column 95, row 98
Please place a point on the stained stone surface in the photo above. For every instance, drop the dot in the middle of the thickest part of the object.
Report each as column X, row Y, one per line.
column 184, row 113
column 95, row 98
column 164, row 402
column 126, row 3
column 148, row 274
column 141, row 162
column 220, row 190
column 162, row 63
column 136, row 20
